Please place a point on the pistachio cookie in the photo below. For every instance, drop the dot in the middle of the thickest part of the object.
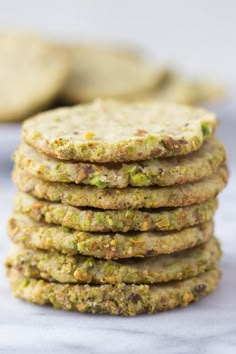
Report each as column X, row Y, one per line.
column 124, row 220
column 43, row 236
column 112, row 131
column 126, row 198
column 161, row 172
column 54, row 266
column 107, row 72
column 119, row 299
column 32, row 72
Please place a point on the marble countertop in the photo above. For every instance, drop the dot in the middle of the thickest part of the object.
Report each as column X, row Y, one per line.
column 205, row 327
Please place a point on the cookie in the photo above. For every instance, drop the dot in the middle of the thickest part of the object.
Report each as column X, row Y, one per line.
column 162, row 172
column 124, row 220
column 37, row 235
column 112, row 131
column 32, row 73
column 53, row 266
column 120, row 299
column 126, row 198
column 190, row 92
column 107, row 72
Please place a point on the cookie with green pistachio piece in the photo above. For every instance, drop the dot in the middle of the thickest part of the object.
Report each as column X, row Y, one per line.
column 162, row 172
column 112, row 131
column 103, row 71
column 119, row 299
column 125, row 198
column 54, row 266
column 124, row 220
column 32, row 72
column 35, row 235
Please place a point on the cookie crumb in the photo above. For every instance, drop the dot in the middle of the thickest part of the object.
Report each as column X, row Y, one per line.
column 140, row 132
column 89, row 135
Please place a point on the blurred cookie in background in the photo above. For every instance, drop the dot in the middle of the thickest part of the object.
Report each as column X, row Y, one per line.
column 118, row 72
column 108, row 72
column 32, row 73
column 179, row 89
column 37, row 74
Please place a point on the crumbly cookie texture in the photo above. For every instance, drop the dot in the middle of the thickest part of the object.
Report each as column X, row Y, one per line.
column 54, row 266
column 124, row 220
column 126, row 198
column 162, row 172
column 32, row 72
column 120, row 299
column 37, row 235
column 112, row 131
column 99, row 71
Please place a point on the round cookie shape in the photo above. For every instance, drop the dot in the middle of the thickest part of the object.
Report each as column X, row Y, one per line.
column 43, row 236
column 92, row 220
column 32, row 72
column 161, row 172
column 112, row 131
column 125, row 198
column 54, row 266
column 107, row 72
column 120, row 299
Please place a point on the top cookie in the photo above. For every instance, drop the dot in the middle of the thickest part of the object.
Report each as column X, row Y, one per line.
column 106, row 72
column 32, row 72
column 111, row 131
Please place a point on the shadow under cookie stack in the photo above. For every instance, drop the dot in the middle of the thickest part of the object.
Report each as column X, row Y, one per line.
column 114, row 208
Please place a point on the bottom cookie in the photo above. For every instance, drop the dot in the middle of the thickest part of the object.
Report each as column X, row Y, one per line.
column 120, row 299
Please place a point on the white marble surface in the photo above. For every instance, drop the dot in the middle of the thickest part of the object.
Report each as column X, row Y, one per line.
column 205, row 327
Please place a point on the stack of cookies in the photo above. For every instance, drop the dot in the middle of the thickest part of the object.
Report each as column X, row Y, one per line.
column 115, row 205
